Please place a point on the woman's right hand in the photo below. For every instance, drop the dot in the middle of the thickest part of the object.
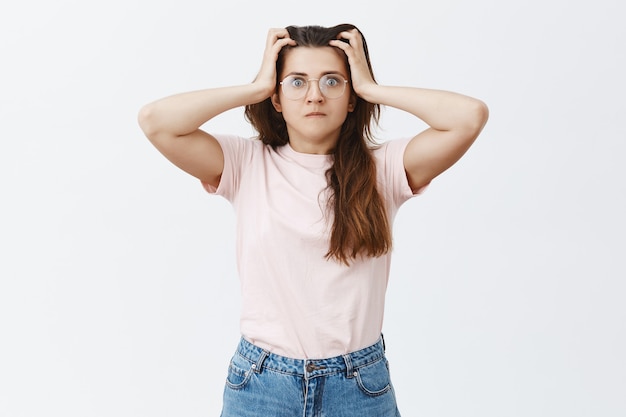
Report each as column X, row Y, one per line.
column 173, row 123
column 277, row 38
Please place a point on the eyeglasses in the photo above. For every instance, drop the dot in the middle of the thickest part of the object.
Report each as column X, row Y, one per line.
column 331, row 85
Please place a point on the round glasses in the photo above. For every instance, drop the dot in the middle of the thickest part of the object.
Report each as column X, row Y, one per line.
column 331, row 86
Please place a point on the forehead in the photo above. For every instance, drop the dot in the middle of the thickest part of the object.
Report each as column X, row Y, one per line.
column 314, row 61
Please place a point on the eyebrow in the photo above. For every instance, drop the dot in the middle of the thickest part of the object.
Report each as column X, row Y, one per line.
column 304, row 74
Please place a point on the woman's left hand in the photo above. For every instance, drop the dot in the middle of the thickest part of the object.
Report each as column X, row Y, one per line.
column 354, row 50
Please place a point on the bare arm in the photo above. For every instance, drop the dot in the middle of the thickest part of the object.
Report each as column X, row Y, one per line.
column 173, row 123
column 454, row 123
column 454, row 120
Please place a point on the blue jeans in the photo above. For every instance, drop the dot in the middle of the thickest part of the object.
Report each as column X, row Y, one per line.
column 262, row 384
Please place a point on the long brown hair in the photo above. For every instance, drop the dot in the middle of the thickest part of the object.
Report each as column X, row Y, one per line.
column 360, row 225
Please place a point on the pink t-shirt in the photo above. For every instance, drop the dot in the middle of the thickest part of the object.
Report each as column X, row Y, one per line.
column 295, row 302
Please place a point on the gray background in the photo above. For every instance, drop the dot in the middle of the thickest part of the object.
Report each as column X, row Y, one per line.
column 118, row 289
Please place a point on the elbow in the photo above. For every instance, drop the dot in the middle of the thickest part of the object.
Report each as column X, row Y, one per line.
column 146, row 120
column 477, row 115
column 480, row 114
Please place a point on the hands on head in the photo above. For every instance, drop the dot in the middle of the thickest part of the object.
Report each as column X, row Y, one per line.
column 350, row 42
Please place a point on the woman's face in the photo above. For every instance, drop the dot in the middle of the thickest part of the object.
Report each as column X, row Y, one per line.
column 314, row 121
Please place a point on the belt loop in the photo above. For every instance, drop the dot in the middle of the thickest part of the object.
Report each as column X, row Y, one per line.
column 349, row 369
column 259, row 363
column 382, row 337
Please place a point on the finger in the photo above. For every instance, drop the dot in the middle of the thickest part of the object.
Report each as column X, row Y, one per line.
column 278, row 32
column 340, row 43
column 280, row 38
column 349, row 41
column 350, row 50
column 351, row 36
column 274, row 35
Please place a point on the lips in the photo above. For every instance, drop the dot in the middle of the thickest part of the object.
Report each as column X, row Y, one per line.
column 315, row 114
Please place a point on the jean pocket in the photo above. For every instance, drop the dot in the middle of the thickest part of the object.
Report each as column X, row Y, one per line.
column 373, row 379
column 239, row 372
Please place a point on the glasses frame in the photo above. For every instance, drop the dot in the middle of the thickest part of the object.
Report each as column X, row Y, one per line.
column 308, row 85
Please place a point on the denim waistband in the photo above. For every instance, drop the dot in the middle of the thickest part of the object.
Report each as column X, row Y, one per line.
column 310, row 368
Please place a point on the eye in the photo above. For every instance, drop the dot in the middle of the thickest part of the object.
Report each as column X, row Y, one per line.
column 332, row 80
column 296, row 82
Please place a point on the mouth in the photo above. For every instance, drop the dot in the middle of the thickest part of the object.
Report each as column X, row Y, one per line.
column 315, row 114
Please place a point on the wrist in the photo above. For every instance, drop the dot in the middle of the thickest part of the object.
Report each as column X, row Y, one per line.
column 262, row 90
column 368, row 92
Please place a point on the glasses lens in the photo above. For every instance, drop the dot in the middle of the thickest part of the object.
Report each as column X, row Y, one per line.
column 294, row 87
column 332, row 85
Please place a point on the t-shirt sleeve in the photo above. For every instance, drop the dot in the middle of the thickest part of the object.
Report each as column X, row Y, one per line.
column 236, row 150
column 391, row 173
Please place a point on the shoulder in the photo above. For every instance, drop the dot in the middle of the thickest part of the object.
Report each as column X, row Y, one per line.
column 237, row 147
column 391, row 172
column 230, row 140
column 391, row 151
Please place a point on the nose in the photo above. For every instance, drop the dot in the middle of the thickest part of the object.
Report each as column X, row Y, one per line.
column 314, row 94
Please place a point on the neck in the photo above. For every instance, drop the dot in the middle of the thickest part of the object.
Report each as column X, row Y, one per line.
column 317, row 146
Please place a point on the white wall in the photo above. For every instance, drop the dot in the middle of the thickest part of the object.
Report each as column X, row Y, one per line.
column 118, row 292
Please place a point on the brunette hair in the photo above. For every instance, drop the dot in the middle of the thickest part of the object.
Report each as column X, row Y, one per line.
column 360, row 225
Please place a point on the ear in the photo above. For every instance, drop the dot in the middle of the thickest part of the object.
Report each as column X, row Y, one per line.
column 352, row 103
column 276, row 103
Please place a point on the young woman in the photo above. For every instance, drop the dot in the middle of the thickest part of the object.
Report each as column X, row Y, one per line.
column 315, row 199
